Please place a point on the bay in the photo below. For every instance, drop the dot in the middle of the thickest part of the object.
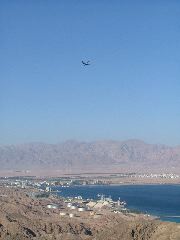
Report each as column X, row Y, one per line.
column 159, row 200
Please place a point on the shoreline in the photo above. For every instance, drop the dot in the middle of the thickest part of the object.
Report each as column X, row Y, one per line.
column 24, row 216
column 132, row 206
column 101, row 178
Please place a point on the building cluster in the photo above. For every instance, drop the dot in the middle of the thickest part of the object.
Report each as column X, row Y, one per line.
column 49, row 184
column 77, row 206
column 64, row 206
column 162, row 175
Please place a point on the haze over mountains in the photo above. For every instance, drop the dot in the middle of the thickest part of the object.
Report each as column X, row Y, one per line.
column 98, row 156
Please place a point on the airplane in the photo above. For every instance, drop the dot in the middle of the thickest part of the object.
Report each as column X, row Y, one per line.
column 86, row 63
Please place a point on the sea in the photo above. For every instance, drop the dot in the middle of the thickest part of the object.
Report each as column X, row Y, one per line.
column 162, row 201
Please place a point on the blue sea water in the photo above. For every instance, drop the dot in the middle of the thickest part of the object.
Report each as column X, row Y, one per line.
column 159, row 200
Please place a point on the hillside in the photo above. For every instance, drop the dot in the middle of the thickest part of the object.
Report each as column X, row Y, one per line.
column 24, row 217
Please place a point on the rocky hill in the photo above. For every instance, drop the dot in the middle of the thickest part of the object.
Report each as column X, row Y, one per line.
column 99, row 156
column 24, row 217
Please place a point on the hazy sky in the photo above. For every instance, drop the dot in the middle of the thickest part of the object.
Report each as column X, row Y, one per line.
column 131, row 89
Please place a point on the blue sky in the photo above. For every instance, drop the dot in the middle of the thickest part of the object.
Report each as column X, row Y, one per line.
column 130, row 90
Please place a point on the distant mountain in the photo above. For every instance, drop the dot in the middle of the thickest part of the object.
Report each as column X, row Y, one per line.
column 99, row 156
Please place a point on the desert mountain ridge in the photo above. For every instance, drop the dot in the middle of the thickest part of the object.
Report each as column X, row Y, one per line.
column 102, row 156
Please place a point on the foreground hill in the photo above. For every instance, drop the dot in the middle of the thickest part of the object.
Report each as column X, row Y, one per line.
column 24, row 217
column 100, row 156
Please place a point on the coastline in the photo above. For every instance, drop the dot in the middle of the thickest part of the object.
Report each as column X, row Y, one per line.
column 121, row 178
column 151, row 199
column 26, row 217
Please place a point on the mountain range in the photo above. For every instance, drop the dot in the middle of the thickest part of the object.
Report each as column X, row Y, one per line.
column 97, row 156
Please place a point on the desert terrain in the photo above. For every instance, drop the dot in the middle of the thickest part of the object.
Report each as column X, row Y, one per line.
column 23, row 216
